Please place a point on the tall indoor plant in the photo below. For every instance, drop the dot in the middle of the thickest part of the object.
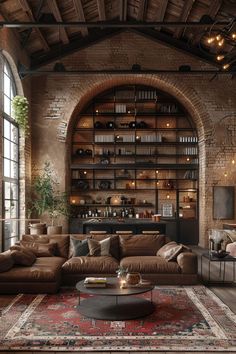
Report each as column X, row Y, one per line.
column 46, row 198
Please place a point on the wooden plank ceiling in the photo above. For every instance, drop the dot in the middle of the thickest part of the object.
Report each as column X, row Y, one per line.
column 44, row 45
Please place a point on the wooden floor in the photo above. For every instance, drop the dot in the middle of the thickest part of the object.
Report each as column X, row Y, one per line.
column 227, row 293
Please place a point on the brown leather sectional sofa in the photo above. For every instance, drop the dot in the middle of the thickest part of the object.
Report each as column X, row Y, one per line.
column 135, row 252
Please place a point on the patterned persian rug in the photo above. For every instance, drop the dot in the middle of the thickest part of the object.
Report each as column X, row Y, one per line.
column 185, row 319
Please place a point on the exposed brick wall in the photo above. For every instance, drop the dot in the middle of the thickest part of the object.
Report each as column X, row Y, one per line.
column 58, row 99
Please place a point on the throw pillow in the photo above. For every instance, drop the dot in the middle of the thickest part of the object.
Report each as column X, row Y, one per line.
column 6, row 261
column 170, row 251
column 21, row 256
column 99, row 248
column 79, row 247
column 40, row 249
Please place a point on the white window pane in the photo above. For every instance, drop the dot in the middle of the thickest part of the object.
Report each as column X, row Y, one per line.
column 14, row 170
column 7, row 168
column 14, row 191
column 7, row 105
column 12, row 92
column 14, row 152
column 7, row 190
column 7, row 129
column 14, row 133
column 14, row 209
column 7, row 86
column 7, row 69
column 7, row 149
column 7, row 209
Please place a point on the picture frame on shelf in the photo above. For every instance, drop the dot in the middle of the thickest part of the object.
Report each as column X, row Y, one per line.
column 167, row 210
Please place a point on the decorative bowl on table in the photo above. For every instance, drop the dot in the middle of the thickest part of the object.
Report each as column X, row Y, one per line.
column 219, row 254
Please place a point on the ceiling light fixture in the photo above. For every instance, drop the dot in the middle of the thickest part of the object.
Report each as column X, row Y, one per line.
column 220, row 42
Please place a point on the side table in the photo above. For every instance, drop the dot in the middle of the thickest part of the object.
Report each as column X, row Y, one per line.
column 212, row 259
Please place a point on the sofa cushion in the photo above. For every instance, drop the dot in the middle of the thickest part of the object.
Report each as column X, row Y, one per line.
column 6, row 261
column 140, row 245
column 22, row 256
column 44, row 269
column 62, row 241
column 90, row 265
column 40, row 249
column 78, row 247
column 99, row 248
column 150, row 265
column 171, row 250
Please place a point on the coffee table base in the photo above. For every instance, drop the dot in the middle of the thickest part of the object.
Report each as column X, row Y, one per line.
column 116, row 308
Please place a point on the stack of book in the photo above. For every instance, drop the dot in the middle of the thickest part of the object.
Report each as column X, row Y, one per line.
column 92, row 282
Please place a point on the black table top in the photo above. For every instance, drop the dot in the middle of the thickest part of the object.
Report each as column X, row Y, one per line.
column 113, row 289
column 212, row 258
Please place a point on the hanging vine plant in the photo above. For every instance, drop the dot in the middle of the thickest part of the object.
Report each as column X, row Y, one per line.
column 20, row 106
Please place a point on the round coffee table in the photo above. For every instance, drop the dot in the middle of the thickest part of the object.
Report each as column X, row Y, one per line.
column 113, row 303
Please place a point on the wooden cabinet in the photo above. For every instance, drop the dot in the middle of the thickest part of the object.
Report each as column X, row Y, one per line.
column 134, row 151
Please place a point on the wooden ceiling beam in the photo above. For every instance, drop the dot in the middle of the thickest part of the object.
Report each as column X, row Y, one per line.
column 184, row 16
column 123, row 10
column 57, row 14
column 101, row 10
column 142, row 10
column 24, row 4
column 80, row 15
column 160, row 14
column 60, row 51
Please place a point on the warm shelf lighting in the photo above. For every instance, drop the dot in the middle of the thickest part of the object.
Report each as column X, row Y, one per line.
column 133, row 183
column 218, row 37
column 97, row 111
column 73, row 201
column 233, row 162
column 85, row 172
column 233, row 35
column 225, row 174
column 157, row 171
column 157, row 183
column 188, row 159
column 167, row 196
column 167, row 124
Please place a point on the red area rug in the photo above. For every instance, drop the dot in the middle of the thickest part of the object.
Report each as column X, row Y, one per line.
column 185, row 319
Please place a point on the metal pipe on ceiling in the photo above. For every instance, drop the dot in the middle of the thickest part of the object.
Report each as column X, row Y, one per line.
column 111, row 24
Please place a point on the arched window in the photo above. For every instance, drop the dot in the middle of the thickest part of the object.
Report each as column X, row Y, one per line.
column 10, row 165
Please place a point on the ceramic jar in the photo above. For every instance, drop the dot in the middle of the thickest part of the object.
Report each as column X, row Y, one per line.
column 133, row 278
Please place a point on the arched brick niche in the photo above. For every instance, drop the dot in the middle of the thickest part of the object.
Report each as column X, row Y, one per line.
column 188, row 98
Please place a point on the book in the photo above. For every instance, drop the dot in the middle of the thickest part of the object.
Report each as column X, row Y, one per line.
column 94, row 285
column 94, row 280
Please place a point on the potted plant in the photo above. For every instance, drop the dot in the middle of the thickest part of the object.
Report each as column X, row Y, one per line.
column 20, row 107
column 48, row 199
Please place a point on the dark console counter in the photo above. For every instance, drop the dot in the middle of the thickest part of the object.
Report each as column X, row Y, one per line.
column 180, row 230
column 113, row 225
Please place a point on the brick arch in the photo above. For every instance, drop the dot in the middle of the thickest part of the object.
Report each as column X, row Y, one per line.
column 19, row 87
column 179, row 90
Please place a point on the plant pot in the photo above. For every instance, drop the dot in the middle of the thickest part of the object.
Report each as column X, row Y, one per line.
column 54, row 230
column 37, row 229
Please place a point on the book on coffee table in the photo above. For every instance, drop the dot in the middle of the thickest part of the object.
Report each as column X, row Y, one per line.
column 93, row 282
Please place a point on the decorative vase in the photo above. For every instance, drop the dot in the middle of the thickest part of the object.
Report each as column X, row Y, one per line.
column 54, row 230
column 133, row 278
column 37, row 229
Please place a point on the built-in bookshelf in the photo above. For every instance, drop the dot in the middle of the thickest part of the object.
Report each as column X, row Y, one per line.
column 134, row 153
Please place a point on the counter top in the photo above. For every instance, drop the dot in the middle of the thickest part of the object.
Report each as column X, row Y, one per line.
column 122, row 221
